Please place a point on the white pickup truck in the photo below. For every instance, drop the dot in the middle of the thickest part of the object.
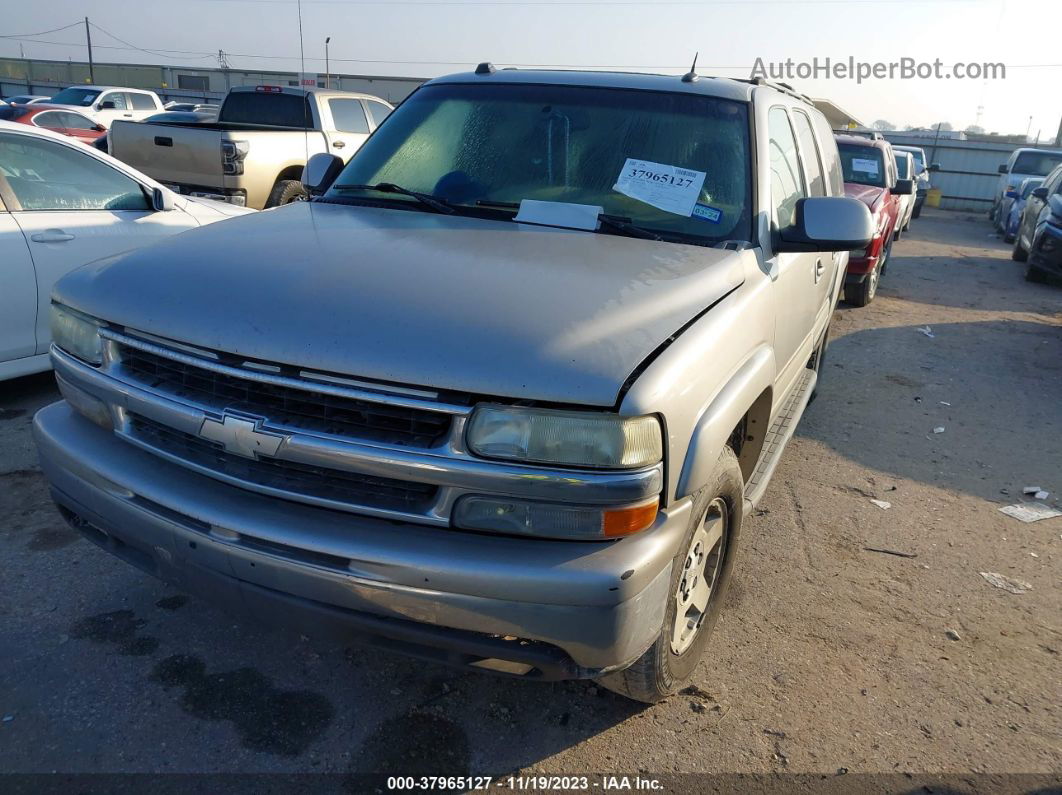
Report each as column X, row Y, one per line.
column 253, row 155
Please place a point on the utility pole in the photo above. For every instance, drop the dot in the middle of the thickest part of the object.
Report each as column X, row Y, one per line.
column 328, row 73
column 88, row 40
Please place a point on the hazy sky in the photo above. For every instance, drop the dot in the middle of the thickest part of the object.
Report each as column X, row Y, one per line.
column 431, row 37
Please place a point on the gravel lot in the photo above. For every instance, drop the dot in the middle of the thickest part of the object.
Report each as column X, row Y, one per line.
column 831, row 659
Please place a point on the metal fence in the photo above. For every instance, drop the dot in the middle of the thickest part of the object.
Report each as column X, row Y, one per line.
column 969, row 170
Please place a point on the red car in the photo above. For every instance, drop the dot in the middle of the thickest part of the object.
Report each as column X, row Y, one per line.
column 60, row 120
column 870, row 176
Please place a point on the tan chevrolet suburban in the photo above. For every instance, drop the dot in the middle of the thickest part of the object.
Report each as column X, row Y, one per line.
column 253, row 155
column 501, row 395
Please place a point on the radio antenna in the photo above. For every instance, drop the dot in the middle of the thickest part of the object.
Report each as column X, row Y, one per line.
column 691, row 76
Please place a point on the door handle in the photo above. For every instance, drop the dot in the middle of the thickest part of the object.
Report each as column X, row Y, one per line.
column 128, row 115
column 51, row 236
column 338, row 144
column 819, row 270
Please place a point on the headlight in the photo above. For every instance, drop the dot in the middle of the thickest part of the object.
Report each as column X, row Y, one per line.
column 77, row 334
column 568, row 438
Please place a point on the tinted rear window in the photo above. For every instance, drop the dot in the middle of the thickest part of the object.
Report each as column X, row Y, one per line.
column 1038, row 163
column 268, row 109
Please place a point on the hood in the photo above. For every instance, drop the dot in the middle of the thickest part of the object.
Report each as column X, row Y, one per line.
column 481, row 306
column 199, row 206
column 870, row 195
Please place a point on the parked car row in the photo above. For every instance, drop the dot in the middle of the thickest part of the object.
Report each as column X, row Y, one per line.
column 62, row 205
column 1037, row 232
column 892, row 181
column 501, row 394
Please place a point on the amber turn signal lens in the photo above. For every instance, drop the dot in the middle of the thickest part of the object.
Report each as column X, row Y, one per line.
column 632, row 519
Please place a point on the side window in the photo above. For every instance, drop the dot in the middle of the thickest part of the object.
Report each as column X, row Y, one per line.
column 142, row 101
column 53, row 120
column 348, row 115
column 378, row 111
column 786, row 184
column 45, row 175
column 809, row 150
column 831, row 157
column 117, row 97
column 75, row 121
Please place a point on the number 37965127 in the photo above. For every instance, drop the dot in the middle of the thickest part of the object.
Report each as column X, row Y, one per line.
column 654, row 176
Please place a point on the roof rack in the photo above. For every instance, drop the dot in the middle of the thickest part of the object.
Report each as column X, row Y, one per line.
column 784, row 88
column 873, row 135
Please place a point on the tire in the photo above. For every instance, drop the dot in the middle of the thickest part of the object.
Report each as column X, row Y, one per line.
column 1018, row 254
column 1035, row 275
column 286, row 191
column 863, row 293
column 917, row 212
column 661, row 671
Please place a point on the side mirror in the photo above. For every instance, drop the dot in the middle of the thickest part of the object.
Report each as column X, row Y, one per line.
column 831, row 223
column 1003, row 169
column 903, row 187
column 107, row 105
column 161, row 200
column 99, row 128
column 1040, row 193
column 320, row 172
column 936, row 167
column 1012, row 194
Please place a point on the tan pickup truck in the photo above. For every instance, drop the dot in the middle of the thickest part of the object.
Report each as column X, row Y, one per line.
column 253, row 155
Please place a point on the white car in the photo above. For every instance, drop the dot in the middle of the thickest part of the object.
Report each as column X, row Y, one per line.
column 26, row 99
column 63, row 204
column 905, row 169
column 105, row 104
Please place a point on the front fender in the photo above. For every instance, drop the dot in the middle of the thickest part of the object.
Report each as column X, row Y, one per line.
column 722, row 415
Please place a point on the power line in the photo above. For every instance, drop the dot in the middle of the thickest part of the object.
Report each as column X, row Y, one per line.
column 139, row 49
column 201, row 54
column 41, row 32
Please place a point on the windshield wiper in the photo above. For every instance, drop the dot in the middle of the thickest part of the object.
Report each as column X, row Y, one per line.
column 624, row 225
column 436, row 203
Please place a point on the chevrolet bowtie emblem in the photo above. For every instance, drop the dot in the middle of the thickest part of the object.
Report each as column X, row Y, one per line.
column 241, row 437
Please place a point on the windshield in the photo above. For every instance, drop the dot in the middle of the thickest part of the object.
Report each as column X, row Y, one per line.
column 902, row 163
column 671, row 163
column 1038, row 163
column 919, row 158
column 862, row 165
column 76, row 96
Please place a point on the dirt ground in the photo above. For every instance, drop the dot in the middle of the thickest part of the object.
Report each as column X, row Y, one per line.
column 830, row 659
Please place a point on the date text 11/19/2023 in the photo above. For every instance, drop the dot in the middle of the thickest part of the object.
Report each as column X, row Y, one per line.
column 523, row 783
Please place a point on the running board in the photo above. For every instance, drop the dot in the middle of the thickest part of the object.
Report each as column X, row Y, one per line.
column 778, row 437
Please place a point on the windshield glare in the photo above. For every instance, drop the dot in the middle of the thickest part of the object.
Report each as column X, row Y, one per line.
column 1037, row 163
column 478, row 146
column 75, row 96
column 862, row 165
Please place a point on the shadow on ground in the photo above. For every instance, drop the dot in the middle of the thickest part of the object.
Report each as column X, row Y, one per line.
column 885, row 390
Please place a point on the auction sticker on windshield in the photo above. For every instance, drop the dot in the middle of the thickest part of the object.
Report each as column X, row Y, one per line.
column 669, row 188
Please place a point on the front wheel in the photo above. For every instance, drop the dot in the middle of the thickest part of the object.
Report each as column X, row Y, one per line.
column 700, row 573
column 1035, row 275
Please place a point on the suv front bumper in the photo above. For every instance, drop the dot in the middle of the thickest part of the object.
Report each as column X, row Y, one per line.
column 535, row 607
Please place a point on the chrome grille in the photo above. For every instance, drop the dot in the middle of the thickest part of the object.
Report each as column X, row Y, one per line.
column 349, row 488
column 290, row 407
